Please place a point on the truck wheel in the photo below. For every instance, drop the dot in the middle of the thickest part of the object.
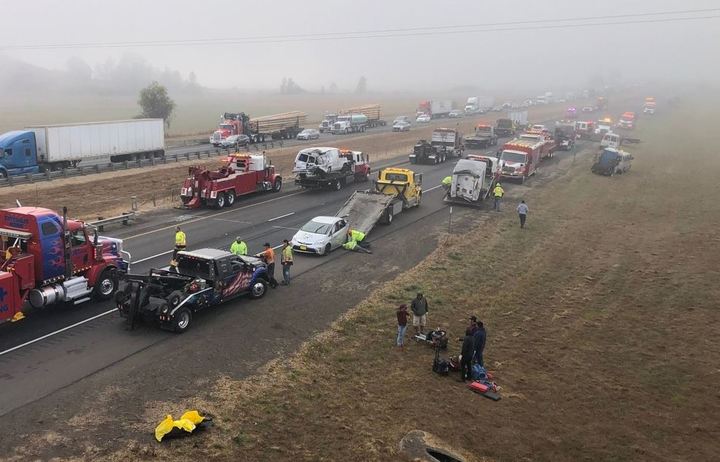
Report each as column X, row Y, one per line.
column 388, row 216
column 277, row 186
column 106, row 284
column 181, row 320
column 258, row 289
column 337, row 185
column 230, row 198
column 175, row 297
column 220, row 200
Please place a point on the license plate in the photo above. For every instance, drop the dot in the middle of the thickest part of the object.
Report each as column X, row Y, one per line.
column 303, row 247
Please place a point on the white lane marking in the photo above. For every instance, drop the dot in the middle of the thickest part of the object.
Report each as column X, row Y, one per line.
column 234, row 221
column 284, row 227
column 434, row 187
column 151, row 257
column 214, row 215
column 281, row 216
column 43, row 337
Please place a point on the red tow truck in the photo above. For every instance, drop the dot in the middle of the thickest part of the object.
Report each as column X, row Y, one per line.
column 241, row 174
column 541, row 136
column 47, row 259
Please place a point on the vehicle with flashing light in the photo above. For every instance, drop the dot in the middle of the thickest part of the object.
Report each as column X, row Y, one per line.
column 520, row 159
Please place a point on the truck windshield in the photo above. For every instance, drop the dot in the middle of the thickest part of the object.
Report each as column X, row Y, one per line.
column 194, row 267
column 504, row 123
column 508, row 156
column 316, row 227
column 395, row 177
column 482, row 130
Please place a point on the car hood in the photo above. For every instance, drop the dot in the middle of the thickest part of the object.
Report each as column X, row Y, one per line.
column 310, row 238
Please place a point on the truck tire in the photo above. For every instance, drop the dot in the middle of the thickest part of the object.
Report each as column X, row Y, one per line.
column 106, row 284
column 388, row 216
column 175, row 297
column 181, row 320
column 258, row 289
column 220, row 201
column 230, row 200
column 337, row 185
column 277, row 185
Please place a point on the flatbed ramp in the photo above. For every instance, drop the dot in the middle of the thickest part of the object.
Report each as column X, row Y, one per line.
column 364, row 208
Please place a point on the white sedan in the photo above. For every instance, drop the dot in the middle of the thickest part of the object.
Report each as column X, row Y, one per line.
column 401, row 126
column 423, row 118
column 321, row 235
column 309, row 134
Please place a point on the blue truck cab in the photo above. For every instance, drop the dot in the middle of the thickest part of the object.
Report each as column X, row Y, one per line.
column 18, row 153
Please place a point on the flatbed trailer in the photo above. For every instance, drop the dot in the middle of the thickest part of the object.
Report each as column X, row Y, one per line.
column 395, row 191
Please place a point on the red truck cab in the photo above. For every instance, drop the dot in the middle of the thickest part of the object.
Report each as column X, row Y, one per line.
column 520, row 158
column 33, row 265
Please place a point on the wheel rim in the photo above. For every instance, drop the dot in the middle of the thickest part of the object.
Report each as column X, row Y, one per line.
column 278, row 185
column 258, row 289
column 327, row 249
column 107, row 286
column 338, row 186
column 231, row 199
column 183, row 319
column 390, row 217
column 221, row 201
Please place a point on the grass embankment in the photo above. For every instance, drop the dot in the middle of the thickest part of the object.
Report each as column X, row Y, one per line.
column 601, row 319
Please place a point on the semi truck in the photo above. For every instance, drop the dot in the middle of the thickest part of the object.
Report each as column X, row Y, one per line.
column 472, row 105
column 520, row 159
column 373, row 112
column 284, row 126
column 47, row 259
column 435, row 108
column 52, row 147
column 396, row 190
column 330, row 168
column 241, row 174
column 350, row 123
column 483, row 137
column 472, row 180
column 444, row 143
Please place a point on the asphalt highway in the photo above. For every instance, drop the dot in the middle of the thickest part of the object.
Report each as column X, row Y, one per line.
column 59, row 346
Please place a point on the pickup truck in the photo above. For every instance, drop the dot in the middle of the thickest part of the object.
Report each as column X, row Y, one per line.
column 204, row 278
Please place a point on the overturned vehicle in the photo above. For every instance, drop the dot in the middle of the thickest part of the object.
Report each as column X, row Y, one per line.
column 202, row 278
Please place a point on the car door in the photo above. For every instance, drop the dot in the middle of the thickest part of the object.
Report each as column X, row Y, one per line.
column 338, row 237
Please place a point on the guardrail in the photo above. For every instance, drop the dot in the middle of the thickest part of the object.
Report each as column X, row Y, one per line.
column 119, row 166
column 101, row 222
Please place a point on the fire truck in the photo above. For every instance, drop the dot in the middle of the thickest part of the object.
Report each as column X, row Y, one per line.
column 241, row 174
column 46, row 259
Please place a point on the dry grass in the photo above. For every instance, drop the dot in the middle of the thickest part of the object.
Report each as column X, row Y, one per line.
column 601, row 317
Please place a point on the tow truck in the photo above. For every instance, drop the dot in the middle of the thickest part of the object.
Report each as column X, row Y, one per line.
column 241, row 174
column 46, row 259
column 204, row 278
column 396, row 190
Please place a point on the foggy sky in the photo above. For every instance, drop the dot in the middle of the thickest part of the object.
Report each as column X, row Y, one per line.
column 529, row 59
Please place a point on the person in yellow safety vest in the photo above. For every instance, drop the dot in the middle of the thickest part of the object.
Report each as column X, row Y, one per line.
column 239, row 247
column 286, row 260
column 498, row 193
column 446, row 183
column 180, row 244
column 354, row 239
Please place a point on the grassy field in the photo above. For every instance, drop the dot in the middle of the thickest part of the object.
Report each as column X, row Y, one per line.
column 602, row 318
column 193, row 115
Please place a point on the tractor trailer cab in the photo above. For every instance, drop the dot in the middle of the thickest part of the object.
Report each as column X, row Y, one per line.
column 47, row 259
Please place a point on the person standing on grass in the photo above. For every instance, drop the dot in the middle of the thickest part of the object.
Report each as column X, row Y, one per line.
column 522, row 210
column 419, row 307
column 498, row 193
column 479, row 338
column 402, row 318
column 286, row 260
column 466, row 356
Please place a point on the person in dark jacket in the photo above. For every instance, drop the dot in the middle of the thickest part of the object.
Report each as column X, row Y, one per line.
column 468, row 347
column 479, row 338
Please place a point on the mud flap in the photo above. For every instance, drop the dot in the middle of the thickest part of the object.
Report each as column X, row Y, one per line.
column 194, row 203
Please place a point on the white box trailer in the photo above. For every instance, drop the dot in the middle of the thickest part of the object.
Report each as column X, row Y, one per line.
column 440, row 108
column 120, row 140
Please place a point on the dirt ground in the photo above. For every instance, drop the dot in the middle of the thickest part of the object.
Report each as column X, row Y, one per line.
column 602, row 317
column 109, row 194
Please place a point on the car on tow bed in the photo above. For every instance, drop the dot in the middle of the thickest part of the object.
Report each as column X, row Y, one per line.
column 321, row 235
column 201, row 279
